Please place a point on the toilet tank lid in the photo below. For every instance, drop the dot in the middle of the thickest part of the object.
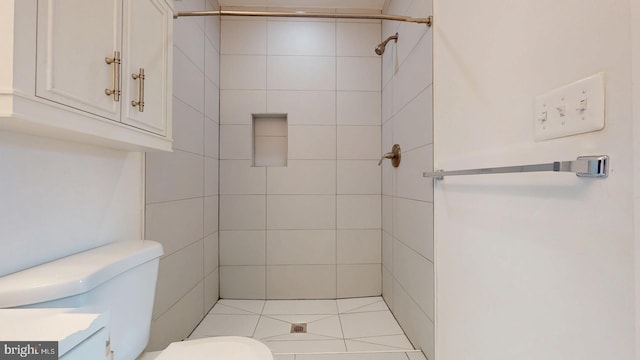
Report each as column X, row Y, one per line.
column 74, row 274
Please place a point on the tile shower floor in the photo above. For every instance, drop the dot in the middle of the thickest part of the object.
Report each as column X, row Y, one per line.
column 348, row 328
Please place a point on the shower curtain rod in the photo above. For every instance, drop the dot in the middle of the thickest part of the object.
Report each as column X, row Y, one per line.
column 427, row 20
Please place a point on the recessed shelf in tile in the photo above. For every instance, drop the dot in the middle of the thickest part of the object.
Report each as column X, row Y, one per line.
column 270, row 136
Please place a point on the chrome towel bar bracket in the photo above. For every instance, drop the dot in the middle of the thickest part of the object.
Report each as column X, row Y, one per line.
column 584, row 166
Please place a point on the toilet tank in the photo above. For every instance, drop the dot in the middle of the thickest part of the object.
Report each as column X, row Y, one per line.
column 119, row 278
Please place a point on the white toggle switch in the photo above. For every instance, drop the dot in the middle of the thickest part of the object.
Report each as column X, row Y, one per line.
column 571, row 109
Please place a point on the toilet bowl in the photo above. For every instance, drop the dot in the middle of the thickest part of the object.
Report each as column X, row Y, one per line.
column 117, row 280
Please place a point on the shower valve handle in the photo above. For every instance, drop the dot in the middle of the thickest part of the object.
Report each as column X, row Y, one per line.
column 395, row 155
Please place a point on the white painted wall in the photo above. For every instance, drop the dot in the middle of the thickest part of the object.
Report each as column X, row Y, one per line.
column 62, row 198
column 535, row 266
column 310, row 229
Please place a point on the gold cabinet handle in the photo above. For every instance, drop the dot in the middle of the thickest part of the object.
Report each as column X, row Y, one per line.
column 140, row 77
column 116, row 76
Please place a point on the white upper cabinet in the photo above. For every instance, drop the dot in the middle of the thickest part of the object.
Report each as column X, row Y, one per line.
column 96, row 71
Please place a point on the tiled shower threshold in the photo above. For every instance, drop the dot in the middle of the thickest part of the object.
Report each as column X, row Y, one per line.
column 344, row 329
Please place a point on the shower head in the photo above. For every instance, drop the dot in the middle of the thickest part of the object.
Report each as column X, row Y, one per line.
column 380, row 49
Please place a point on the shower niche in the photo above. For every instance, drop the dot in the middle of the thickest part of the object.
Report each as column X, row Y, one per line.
column 269, row 139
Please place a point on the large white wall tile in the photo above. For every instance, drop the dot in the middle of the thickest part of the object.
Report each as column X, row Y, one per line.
column 301, row 38
column 173, row 176
column 358, row 177
column 414, row 75
column 301, row 247
column 413, row 124
column 409, row 181
column 188, row 81
column 359, row 247
column 210, row 253
column 210, row 176
column 210, row 214
column 387, row 251
column 359, row 142
column 242, row 212
column 177, row 274
column 242, row 247
column 211, row 290
column 211, row 139
column 238, row 177
column 359, row 211
column 189, row 38
column 387, row 213
column 301, row 73
column 359, row 107
column 211, row 101
column 416, row 275
column 244, row 37
column 175, row 224
column 301, row 281
column 187, row 128
column 303, row 177
column 312, row 142
column 359, row 280
column 242, row 282
column 237, row 106
column 304, row 107
column 211, row 62
column 178, row 322
column 359, row 73
column 412, row 34
column 413, row 225
column 243, row 72
column 358, row 39
column 298, row 212
column 416, row 324
column 235, row 142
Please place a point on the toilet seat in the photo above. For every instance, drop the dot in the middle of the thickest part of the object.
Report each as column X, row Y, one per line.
column 217, row 348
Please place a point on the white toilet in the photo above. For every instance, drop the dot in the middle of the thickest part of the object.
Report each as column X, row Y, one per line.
column 117, row 280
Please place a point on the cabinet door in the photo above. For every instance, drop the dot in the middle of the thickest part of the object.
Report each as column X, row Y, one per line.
column 147, row 45
column 74, row 38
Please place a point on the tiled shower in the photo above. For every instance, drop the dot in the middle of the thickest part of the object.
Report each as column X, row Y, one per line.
column 331, row 224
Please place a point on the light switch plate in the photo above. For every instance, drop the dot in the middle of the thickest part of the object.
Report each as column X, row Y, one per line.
column 572, row 109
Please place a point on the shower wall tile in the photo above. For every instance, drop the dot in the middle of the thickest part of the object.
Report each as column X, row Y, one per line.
column 387, row 102
column 413, row 225
column 188, row 81
column 359, row 280
column 304, row 107
column 358, row 108
column 173, row 176
column 358, row 211
column 301, row 212
column 211, row 289
column 387, row 251
column 411, row 35
column 297, row 204
column 211, row 105
column 244, row 37
column 211, row 139
column 415, row 274
column 359, row 246
column 416, row 324
column 178, row 322
column 242, row 282
column 301, row 38
column 413, row 124
column 187, row 134
column 312, row 142
column 210, row 214
column 235, row 142
column 303, row 177
column 175, row 224
column 210, row 253
column 409, row 181
column 242, row 247
column 243, row 72
column 188, row 37
column 301, row 247
column 387, row 213
column 414, row 75
column 238, row 177
column 242, row 212
column 358, row 177
column 210, row 176
column 359, row 73
column 212, row 62
column 359, row 142
column 301, row 73
column 238, row 105
column 358, row 39
column 177, row 274
column 301, row 281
